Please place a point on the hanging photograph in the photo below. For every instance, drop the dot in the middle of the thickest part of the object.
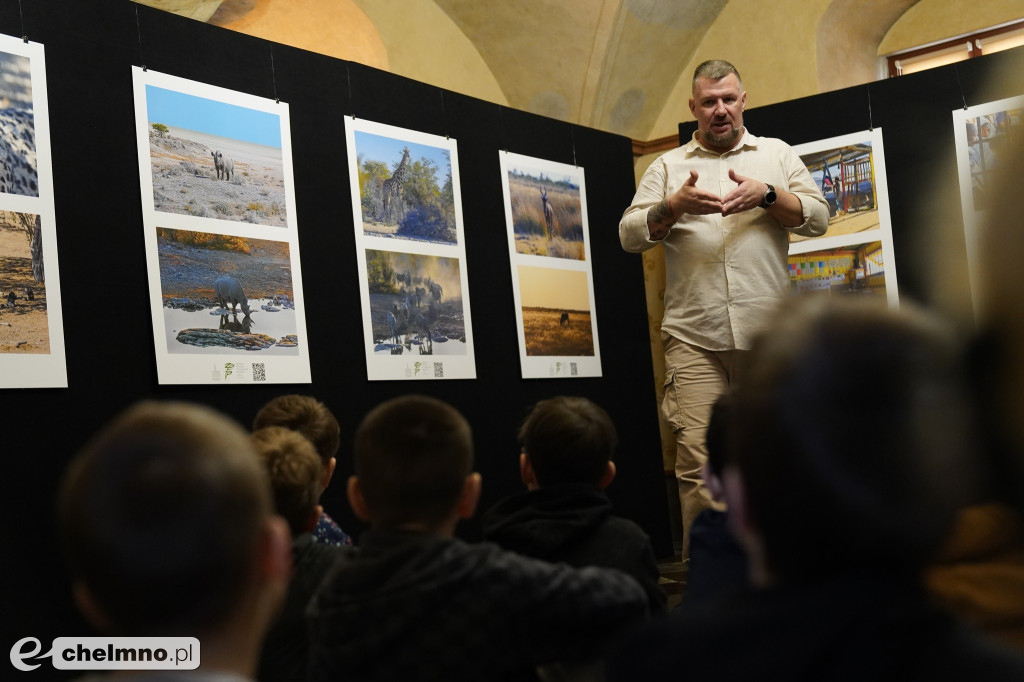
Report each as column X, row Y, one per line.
column 223, row 294
column 407, row 213
column 855, row 255
column 984, row 135
column 214, row 159
column 552, row 277
column 221, row 238
column 31, row 327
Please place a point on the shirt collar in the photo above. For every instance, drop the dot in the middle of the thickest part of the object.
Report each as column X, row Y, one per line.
column 694, row 146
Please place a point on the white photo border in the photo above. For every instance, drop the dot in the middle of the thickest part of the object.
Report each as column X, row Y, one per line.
column 883, row 233
column 550, row 366
column 238, row 367
column 411, row 367
column 38, row 370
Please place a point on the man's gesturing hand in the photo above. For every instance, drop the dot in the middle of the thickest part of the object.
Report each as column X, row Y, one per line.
column 693, row 201
column 746, row 196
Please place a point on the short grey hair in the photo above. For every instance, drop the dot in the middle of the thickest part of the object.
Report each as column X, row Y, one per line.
column 713, row 69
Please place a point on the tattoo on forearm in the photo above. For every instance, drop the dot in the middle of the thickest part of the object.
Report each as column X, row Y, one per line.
column 661, row 214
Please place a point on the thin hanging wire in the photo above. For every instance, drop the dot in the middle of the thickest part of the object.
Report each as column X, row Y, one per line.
column 138, row 30
column 871, row 120
column 444, row 118
column 21, row 13
column 351, row 104
column 273, row 74
column 501, row 128
column 956, row 72
column 572, row 132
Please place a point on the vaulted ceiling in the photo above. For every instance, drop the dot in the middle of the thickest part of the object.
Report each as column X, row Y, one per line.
column 616, row 65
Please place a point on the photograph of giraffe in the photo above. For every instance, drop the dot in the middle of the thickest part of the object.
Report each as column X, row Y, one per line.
column 405, row 189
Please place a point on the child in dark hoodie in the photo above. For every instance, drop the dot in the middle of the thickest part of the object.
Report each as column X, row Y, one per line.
column 415, row 603
column 565, row 515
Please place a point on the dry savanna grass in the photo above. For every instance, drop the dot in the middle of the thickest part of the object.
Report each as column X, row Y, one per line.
column 547, row 335
column 23, row 328
column 532, row 237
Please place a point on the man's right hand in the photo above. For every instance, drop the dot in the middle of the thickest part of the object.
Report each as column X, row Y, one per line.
column 687, row 200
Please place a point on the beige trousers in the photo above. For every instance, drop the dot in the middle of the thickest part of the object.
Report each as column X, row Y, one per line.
column 694, row 378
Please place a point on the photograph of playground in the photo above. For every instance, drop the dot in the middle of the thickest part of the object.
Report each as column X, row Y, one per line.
column 547, row 219
column 556, row 314
column 17, row 125
column 990, row 138
column 24, row 327
column 405, row 189
column 846, row 177
column 215, row 160
column 854, row 269
column 416, row 304
column 223, row 294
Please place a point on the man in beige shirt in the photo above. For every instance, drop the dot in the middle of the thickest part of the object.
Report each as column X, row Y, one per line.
column 723, row 206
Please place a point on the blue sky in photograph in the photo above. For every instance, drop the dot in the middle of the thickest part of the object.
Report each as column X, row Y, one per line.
column 209, row 116
column 536, row 173
column 389, row 150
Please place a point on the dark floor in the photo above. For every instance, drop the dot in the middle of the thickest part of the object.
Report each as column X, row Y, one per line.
column 673, row 580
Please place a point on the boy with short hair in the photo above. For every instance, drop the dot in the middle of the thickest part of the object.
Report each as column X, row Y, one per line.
column 166, row 522
column 294, row 469
column 565, row 516
column 312, row 419
column 414, row 603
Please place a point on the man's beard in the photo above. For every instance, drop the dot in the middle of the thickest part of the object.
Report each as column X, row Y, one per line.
column 722, row 141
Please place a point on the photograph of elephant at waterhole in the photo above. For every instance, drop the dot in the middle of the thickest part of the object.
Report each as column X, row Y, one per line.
column 416, row 305
column 406, row 189
column 223, row 294
column 546, row 214
column 215, row 160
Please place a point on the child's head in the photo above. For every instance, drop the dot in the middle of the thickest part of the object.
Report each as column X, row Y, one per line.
column 294, row 469
column 312, row 419
column 567, row 440
column 166, row 522
column 413, row 464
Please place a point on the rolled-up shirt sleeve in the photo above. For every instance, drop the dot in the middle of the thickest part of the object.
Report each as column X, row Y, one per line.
column 634, row 234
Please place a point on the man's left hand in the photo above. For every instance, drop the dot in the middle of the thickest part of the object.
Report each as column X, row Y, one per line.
column 746, row 196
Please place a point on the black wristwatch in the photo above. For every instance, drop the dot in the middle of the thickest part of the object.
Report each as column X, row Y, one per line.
column 769, row 197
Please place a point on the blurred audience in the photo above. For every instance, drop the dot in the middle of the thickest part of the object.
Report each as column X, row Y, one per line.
column 566, row 463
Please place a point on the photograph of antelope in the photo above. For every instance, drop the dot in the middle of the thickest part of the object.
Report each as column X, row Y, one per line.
column 406, row 189
column 416, row 305
column 556, row 312
column 224, row 294
column 18, row 173
column 546, row 212
column 213, row 159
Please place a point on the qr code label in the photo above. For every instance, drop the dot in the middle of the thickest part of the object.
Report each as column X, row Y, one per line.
column 573, row 369
column 438, row 370
column 259, row 372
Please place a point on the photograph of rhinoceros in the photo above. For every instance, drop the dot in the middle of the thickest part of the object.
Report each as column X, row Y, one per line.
column 405, row 189
column 222, row 294
column 18, row 174
column 215, row 160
